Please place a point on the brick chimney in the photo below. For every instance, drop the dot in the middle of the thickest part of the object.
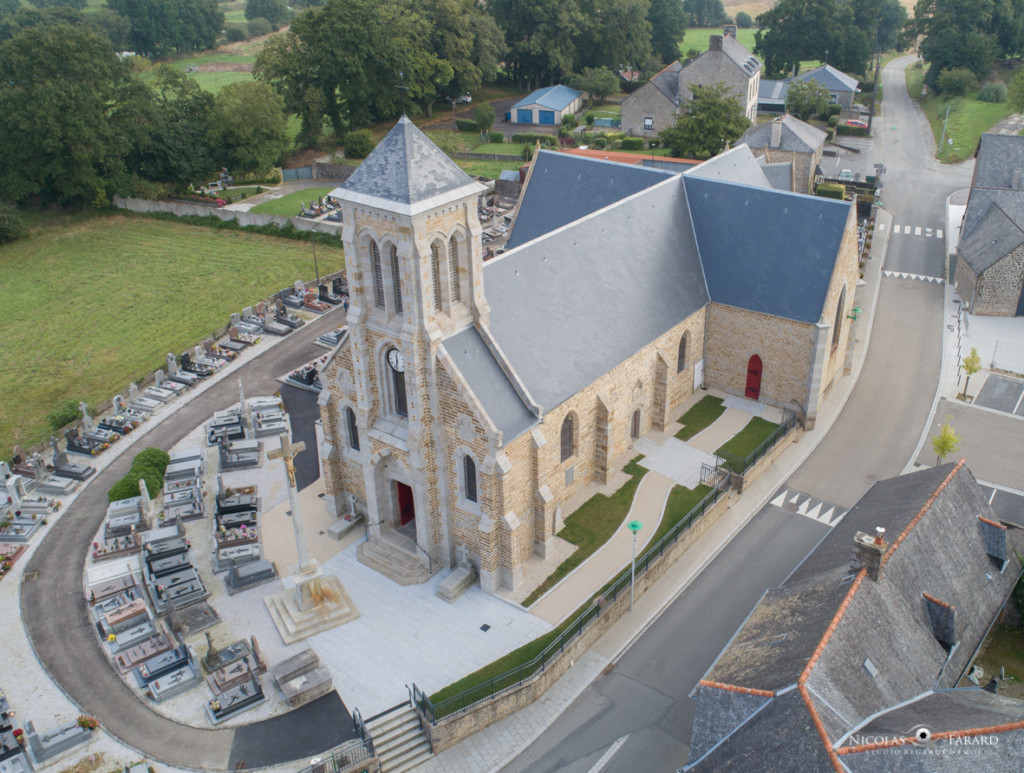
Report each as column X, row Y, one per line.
column 868, row 552
column 776, row 138
column 729, row 30
column 715, row 43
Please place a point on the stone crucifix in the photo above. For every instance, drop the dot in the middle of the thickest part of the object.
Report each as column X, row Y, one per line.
column 287, row 453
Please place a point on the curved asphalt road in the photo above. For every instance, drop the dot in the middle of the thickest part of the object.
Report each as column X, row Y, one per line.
column 54, row 612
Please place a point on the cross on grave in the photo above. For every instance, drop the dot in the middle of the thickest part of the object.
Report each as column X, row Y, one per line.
column 287, row 453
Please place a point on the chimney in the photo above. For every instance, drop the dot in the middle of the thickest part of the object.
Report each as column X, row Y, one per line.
column 729, row 30
column 868, row 551
column 715, row 43
column 776, row 139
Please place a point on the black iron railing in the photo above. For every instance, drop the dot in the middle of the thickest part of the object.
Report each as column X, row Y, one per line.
column 740, row 464
column 341, row 757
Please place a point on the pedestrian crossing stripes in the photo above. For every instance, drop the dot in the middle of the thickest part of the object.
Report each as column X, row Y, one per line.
column 794, row 501
column 917, row 230
column 918, row 277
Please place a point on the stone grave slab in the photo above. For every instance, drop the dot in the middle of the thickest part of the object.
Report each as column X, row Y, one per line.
column 308, row 687
column 295, row 666
column 126, row 616
column 65, row 468
column 158, row 394
column 168, row 565
column 131, row 637
column 187, row 469
column 111, row 588
column 145, row 404
column 163, row 663
column 188, row 455
column 219, row 658
column 115, row 547
column 250, row 574
column 119, row 423
column 20, row 528
column 236, row 700
column 234, row 555
column 182, row 484
column 174, row 683
column 167, row 546
column 57, row 741
column 247, row 519
column 56, row 484
column 142, row 651
column 226, row 677
column 193, row 619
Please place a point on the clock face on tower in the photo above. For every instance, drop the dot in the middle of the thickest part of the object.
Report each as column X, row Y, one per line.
column 396, row 361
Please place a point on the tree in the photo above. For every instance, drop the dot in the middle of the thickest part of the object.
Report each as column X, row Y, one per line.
column 70, row 111
column 785, row 37
column 78, row 5
column 9, row 6
column 615, row 34
column 806, row 98
column 484, row 115
column 957, row 81
column 945, row 443
column 1016, row 93
column 599, row 82
column 705, row 13
column 158, row 26
column 249, row 127
column 12, row 225
column 971, row 365
column 957, row 33
column 274, row 11
column 115, row 26
column 711, row 119
column 541, row 35
column 743, row 20
column 359, row 143
column 668, row 26
column 892, row 17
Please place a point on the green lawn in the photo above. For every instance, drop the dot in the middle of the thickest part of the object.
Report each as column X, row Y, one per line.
column 501, row 148
column 605, row 111
column 92, row 302
column 698, row 38
column 746, row 441
column 291, row 204
column 592, row 525
column 681, row 500
column 700, row 417
column 968, row 118
column 489, row 169
column 1004, row 647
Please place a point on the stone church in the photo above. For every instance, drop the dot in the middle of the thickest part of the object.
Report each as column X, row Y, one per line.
column 470, row 400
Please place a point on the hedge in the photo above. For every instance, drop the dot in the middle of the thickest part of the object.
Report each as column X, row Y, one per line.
column 855, row 131
column 530, row 139
column 632, row 143
column 150, row 465
column 831, row 191
column 495, row 137
column 465, row 125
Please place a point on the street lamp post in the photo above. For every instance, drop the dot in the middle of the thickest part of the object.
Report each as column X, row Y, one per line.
column 634, row 526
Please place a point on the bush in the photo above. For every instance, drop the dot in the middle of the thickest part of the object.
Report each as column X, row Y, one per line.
column 993, row 92
column 495, row 137
column 653, row 144
column 531, row 139
column 484, row 115
column 743, row 20
column 831, row 191
column 150, row 465
column 465, row 125
column 616, row 145
column 12, row 225
column 62, row 415
column 259, row 27
column 235, row 33
column 600, row 143
column 632, row 143
column 853, row 131
column 833, row 121
column 359, row 144
column 570, row 120
column 956, row 81
column 590, row 118
column 830, row 135
column 831, row 110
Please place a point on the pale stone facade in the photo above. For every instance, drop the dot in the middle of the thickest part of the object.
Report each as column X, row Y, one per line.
column 413, row 446
column 647, row 112
column 998, row 290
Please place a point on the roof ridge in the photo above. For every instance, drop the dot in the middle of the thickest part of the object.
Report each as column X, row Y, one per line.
column 736, row 688
column 920, row 513
column 944, row 735
column 940, row 602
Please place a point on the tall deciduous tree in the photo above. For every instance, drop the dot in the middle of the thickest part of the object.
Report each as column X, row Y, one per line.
column 70, row 112
column 705, row 13
column 957, row 34
column 599, row 82
column 945, row 443
column 806, row 98
column 159, row 26
column 712, row 118
column 617, row 34
column 786, row 37
column 249, row 127
column 274, row 11
column 541, row 35
column 668, row 26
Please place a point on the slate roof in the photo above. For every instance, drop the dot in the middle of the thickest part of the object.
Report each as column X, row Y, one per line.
column 795, row 135
column 992, row 237
column 755, row 242
column 558, row 303
column 994, row 219
column 736, row 165
column 405, row 167
column 832, row 625
column 563, row 188
column 999, row 156
column 772, row 91
column 779, row 174
column 738, row 53
column 831, row 78
column 553, row 97
column 667, row 81
column 489, row 383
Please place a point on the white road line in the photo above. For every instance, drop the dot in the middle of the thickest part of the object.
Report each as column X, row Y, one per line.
column 1018, row 402
column 938, row 233
column 895, row 229
column 607, row 756
column 917, row 231
column 927, row 231
column 881, row 226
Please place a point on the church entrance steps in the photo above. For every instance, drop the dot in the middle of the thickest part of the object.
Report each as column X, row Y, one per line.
column 393, row 559
column 399, row 740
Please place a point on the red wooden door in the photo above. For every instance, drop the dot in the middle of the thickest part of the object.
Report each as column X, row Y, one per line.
column 406, row 509
column 754, row 378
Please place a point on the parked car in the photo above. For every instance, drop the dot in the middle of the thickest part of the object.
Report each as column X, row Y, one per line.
column 858, row 124
column 465, row 99
column 846, row 175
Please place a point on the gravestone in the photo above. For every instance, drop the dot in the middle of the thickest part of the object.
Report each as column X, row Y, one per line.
column 133, row 392
column 119, row 404
column 172, row 364
column 235, row 700
column 250, row 574
column 87, row 423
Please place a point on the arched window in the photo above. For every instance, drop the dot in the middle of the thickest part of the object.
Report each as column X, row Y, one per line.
column 838, row 325
column 567, row 437
column 435, row 271
column 681, row 362
column 378, row 275
column 353, row 430
column 396, row 364
column 469, row 474
column 453, row 270
column 396, row 277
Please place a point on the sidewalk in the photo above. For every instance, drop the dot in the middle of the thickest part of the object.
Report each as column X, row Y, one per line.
column 495, row 746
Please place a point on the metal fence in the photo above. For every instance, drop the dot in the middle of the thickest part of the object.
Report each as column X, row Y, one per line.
column 300, row 173
column 740, row 464
column 342, row 757
column 717, row 478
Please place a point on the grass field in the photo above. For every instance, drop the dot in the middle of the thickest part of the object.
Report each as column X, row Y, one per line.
column 91, row 303
column 290, row 205
column 698, row 39
column 700, row 417
column 489, row 169
column 968, row 118
column 500, row 148
column 746, row 441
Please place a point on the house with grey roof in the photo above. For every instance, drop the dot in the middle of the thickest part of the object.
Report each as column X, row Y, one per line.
column 788, row 144
column 547, row 106
column 857, row 661
column 654, row 106
column 989, row 271
column 842, row 88
column 471, row 400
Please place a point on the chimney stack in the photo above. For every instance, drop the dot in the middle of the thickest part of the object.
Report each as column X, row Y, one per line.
column 868, row 552
column 729, row 30
column 715, row 43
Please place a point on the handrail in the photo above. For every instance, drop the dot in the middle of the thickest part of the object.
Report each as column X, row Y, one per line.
column 406, row 540
column 384, row 713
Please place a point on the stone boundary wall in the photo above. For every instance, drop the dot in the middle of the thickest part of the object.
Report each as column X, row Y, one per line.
column 452, row 729
column 331, row 172
column 740, row 482
column 181, row 208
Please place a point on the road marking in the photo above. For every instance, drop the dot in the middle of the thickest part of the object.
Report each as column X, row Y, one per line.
column 1018, row 402
column 881, row 226
column 938, row 233
column 927, row 231
column 918, row 277
column 917, row 231
column 808, row 507
column 607, row 756
column 895, row 229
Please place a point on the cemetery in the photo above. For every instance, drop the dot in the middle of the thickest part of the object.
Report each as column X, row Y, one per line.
column 308, row 376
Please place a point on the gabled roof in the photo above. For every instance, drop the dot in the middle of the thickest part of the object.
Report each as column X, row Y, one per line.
column 993, row 237
column 772, row 91
column 754, row 242
column 553, row 97
column 779, row 174
column 742, row 58
column 736, row 165
column 794, row 135
column 405, row 168
column 831, row 78
column 1000, row 162
column 667, row 81
column 550, row 298
column 563, row 187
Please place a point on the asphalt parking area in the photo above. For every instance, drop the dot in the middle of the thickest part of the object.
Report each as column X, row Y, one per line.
column 1002, row 393
column 1009, row 507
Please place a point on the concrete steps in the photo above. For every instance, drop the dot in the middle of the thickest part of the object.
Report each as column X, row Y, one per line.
column 399, row 741
column 392, row 561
